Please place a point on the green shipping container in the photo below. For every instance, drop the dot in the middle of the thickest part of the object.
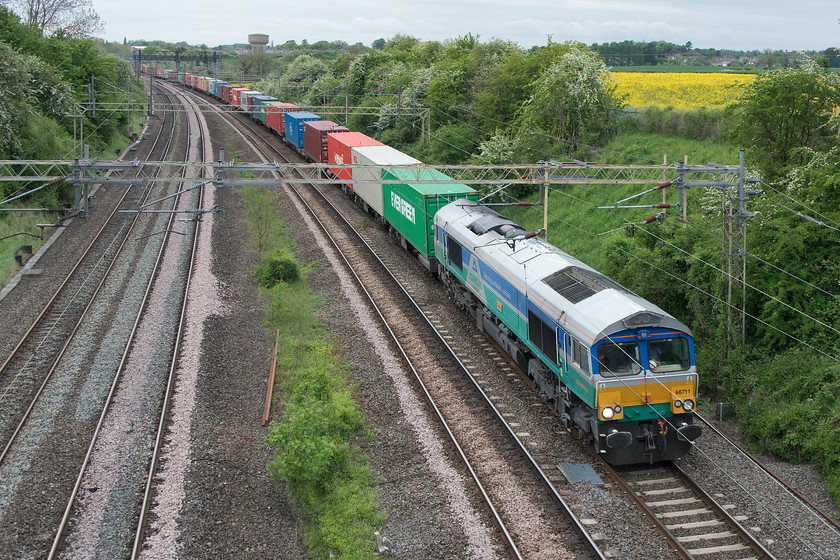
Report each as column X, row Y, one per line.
column 410, row 207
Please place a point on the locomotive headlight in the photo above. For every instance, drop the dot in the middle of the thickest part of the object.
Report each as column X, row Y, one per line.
column 678, row 403
column 618, row 409
column 688, row 405
column 607, row 413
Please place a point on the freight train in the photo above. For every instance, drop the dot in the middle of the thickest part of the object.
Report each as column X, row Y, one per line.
column 619, row 371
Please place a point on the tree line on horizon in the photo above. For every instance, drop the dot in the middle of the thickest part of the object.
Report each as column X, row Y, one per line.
column 615, row 54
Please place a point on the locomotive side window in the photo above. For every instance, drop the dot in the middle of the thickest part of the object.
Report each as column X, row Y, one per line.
column 455, row 256
column 542, row 335
column 618, row 359
column 580, row 357
column 549, row 342
column 668, row 354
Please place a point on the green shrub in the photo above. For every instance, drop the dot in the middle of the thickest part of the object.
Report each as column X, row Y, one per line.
column 789, row 407
column 699, row 124
column 329, row 480
column 281, row 267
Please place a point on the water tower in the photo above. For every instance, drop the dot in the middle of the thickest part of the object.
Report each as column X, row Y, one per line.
column 258, row 42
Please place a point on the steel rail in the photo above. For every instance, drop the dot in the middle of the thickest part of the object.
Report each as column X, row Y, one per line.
column 519, row 443
column 453, row 439
column 590, row 543
column 719, row 511
column 497, row 518
column 826, row 517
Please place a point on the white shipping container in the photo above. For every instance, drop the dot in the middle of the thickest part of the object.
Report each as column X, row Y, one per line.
column 243, row 98
column 367, row 183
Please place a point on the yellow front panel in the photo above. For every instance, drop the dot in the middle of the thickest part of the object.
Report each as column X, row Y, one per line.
column 652, row 392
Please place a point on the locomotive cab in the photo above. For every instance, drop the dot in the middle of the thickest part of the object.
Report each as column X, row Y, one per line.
column 647, row 390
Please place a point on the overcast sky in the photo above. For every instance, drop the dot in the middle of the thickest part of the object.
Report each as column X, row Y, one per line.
column 722, row 24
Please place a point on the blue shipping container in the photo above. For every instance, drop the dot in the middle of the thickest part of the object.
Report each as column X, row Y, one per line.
column 294, row 126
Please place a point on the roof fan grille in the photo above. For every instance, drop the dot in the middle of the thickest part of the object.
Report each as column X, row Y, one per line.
column 576, row 284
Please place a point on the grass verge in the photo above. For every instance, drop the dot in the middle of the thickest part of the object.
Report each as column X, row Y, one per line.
column 329, row 481
column 22, row 226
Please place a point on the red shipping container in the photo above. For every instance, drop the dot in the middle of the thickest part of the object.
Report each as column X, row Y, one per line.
column 224, row 92
column 234, row 95
column 315, row 138
column 338, row 148
column 274, row 115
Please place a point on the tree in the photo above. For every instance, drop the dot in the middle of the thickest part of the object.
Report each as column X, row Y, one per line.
column 379, row 44
column 256, row 63
column 573, row 104
column 769, row 58
column 68, row 18
column 832, row 55
column 298, row 80
column 784, row 111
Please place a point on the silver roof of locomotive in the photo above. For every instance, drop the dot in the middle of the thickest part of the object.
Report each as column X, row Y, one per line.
column 561, row 285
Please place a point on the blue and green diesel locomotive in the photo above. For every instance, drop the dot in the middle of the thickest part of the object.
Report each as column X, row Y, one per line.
column 618, row 370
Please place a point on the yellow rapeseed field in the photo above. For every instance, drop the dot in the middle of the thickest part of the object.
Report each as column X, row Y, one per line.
column 680, row 90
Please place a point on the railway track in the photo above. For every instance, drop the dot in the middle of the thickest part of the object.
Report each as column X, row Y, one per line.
column 149, row 489
column 28, row 368
column 161, row 310
column 434, row 374
column 694, row 539
column 691, row 520
column 60, row 418
column 785, row 485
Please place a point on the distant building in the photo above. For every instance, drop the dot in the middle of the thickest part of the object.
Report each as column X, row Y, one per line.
column 258, row 42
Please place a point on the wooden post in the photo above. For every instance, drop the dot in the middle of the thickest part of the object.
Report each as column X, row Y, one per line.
column 270, row 389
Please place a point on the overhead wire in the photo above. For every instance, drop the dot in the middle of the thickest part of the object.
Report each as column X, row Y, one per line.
column 787, row 196
column 763, row 261
column 729, row 276
column 656, row 267
column 756, row 257
column 478, row 129
column 657, row 380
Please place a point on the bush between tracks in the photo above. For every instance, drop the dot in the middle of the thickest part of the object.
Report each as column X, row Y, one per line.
column 329, row 480
column 281, row 267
